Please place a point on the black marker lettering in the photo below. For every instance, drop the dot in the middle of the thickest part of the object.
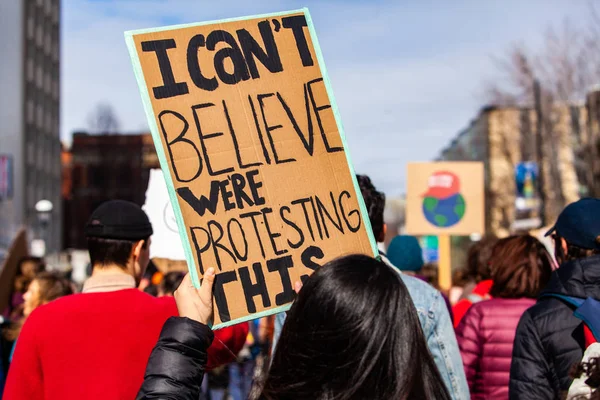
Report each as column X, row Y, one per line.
column 281, row 265
column 302, row 202
column 270, row 129
column 314, row 209
column 260, row 136
column 307, row 259
column 352, row 229
column 215, row 242
column 269, row 58
column 293, row 225
column 219, row 293
column 254, row 186
column 317, row 109
column 170, row 88
column 240, row 70
column 194, row 65
column 272, row 236
column 234, row 247
column 236, row 145
column 200, row 205
column 297, row 24
column 308, row 145
column 239, row 182
column 226, row 194
column 199, row 250
column 203, row 139
column 323, row 212
column 178, row 139
column 252, row 216
column 252, row 290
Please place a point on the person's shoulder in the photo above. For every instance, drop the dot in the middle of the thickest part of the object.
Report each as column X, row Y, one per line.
column 548, row 307
column 417, row 285
column 44, row 315
column 164, row 304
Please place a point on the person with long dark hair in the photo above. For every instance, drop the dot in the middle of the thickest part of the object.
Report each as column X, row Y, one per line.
column 353, row 333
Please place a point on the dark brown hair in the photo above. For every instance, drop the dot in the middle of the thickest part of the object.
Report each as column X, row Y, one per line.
column 111, row 251
column 477, row 268
column 52, row 286
column 573, row 252
column 520, row 267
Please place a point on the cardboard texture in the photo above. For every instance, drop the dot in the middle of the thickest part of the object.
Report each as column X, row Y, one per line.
column 251, row 143
column 18, row 250
column 445, row 198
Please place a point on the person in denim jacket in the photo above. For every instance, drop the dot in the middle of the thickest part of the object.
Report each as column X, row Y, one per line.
column 431, row 308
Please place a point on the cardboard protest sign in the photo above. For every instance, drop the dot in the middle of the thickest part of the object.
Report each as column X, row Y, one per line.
column 445, row 198
column 250, row 140
column 18, row 250
column 166, row 242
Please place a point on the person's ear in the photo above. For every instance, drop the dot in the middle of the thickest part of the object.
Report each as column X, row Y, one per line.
column 137, row 250
column 564, row 246
column 382, row 234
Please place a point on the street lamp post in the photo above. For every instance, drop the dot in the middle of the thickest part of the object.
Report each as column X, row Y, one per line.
column 44, row 213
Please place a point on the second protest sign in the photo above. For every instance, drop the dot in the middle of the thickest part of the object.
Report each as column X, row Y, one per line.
column 251, row 144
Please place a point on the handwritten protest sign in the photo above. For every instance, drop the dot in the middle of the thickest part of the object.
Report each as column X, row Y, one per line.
column 445, row 198
column 251, row 143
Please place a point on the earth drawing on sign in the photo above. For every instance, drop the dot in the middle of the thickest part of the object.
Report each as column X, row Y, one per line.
column 443, row 205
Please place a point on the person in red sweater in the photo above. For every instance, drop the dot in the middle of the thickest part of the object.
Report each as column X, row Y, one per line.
column 95, row 345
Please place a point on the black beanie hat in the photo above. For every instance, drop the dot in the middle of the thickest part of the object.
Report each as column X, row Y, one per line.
column 119, row 219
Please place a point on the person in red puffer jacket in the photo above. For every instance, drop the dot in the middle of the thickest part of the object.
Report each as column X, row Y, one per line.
column 520, row 268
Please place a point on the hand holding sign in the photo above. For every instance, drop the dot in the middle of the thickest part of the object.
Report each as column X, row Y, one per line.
column 196, row 304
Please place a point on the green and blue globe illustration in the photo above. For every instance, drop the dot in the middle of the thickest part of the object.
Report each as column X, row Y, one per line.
column 444, row 212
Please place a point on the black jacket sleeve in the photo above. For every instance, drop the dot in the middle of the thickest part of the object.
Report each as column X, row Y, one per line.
column 176, row 366
column 529, row 370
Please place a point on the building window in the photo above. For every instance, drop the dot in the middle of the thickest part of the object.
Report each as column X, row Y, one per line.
column 39, row 76
column 39, row 117
column 48, row 82
column 30, row 27
column 39, row 36
column 30, row 112
column 30, row 151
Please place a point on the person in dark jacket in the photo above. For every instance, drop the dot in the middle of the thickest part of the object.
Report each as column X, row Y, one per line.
column 352, row 333
column 550, row 339
column 520, row 267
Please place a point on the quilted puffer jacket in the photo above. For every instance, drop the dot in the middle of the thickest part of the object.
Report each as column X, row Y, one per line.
column 550, row 339
column 176, row 365
column 485, row 337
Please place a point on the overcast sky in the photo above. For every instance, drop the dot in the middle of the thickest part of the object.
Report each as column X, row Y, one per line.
column 407, row 75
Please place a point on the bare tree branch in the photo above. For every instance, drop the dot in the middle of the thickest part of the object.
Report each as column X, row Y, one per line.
column 103, row 119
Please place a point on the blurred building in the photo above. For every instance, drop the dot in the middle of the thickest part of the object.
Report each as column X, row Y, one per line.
column 29, row 111
column 98, row 168
column 504, row 137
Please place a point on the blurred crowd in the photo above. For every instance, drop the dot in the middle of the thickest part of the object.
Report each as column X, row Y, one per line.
column 519, row 323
